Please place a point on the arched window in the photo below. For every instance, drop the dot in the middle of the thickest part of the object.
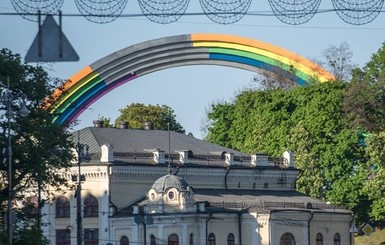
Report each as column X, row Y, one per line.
column 124, row 240
column 319, row 239
column 191, row 239
column 91, row 206
column 152, row 240
column 91, row 237
column 62, row 207
column 173, row 240
column 211, row 239
column 337, row 239
column 230, row 239
column 287, row 239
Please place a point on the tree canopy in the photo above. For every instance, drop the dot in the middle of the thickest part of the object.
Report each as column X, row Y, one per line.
column 39, row 148
column 326, row 125
column 161, row 117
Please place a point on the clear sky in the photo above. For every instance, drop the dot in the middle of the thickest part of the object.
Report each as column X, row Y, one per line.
column 188, row 90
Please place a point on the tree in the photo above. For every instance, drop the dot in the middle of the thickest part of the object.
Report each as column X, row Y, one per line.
column 306, row 120
column 39, row 147
column 364, row 104
column 161, row 117
column 375, row 186
column 337, row 59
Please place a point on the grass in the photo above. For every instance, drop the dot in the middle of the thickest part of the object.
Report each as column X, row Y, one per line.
column 376, row 238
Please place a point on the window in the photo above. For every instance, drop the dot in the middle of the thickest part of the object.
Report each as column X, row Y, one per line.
column 287, row 239
column 173, row 240
column 63, row 237
column 337, row 239
column 91, row 237
column 62, row 207
column 91, row 207
column 171, row 195
column 191, row 239
column 152, row 240
column 124, row 240
column 211, row 239
column 319, row 240
column 230, row 239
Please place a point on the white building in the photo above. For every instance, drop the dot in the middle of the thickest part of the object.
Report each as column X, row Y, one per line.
column 135, row 192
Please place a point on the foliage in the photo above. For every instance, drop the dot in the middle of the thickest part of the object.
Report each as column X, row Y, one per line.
column 106, row 122
column 39, row 148
column 307, row 121
column 364, row 103
column 161, row 117
column 338, row 61
column 326, row 125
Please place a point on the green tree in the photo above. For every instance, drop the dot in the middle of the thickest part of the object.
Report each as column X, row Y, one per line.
column 161, row 117
column 306, row 120
column 375, row 186
column 364, row 104
column 39, row 148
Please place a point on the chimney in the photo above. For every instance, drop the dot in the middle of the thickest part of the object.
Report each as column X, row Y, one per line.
column 124, row 125
column 147, row 125
column 98, row 123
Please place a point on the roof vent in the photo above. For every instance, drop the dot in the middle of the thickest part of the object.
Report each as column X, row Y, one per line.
column 124, row 125
column 98, row 123
column 147, row 125
column 229, row 158
column 259, row 160
column 183, row 156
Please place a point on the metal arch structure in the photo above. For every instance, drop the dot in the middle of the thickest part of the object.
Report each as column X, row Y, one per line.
column 120, row 67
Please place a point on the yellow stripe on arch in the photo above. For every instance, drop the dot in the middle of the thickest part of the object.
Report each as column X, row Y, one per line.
column 254, row 46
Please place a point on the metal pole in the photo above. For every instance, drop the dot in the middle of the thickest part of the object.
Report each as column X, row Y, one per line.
column 10, row 184
column 79, row 201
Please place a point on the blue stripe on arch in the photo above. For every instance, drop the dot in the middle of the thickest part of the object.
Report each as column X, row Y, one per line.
column 78, row 104
column 252, row 62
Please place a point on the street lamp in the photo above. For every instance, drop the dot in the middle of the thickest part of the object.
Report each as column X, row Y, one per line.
column 82, row 155
column 23, row 112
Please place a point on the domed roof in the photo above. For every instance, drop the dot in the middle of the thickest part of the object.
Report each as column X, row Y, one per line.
column 170, row 181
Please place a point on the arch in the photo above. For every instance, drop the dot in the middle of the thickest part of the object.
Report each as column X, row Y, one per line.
column 191, row 242
column 337, row 239
column 62, row 207
column 319, row 239
column 120, row 67
column 211, row 239
column 287, row 239
column 152, row 240
column 173, row 239
column 91, row 206
column 230, row 239
column 124, row 240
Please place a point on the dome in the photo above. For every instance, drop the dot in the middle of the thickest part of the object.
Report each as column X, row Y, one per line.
column 170, row 181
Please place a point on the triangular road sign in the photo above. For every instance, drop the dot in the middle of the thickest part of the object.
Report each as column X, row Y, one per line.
column 353, row 229
column 51, row 44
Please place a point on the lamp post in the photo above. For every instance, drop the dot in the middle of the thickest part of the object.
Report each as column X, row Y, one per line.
column 23, row 112
column 82, row 155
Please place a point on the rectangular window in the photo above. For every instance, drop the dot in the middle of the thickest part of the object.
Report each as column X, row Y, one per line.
column 91, row 237
column 63, row 237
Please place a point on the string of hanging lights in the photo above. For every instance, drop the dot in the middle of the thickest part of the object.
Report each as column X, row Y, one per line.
column 292, row 12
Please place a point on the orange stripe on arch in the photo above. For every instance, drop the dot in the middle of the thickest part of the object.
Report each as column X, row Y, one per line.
column 265, row 46
column 68, row 84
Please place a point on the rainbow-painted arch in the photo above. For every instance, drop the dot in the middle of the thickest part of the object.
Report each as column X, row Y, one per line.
column 106, row 74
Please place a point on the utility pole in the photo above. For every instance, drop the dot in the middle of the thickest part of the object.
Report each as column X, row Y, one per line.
column 7, row 98
column 82, row 154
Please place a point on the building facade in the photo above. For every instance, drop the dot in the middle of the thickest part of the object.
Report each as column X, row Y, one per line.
column 160, row 187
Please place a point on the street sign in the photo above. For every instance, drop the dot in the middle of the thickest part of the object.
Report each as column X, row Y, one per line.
column 353, row 229
column 50, row 44
column 367, row 229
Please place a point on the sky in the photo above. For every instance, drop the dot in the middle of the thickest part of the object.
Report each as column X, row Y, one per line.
column 189, row 90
